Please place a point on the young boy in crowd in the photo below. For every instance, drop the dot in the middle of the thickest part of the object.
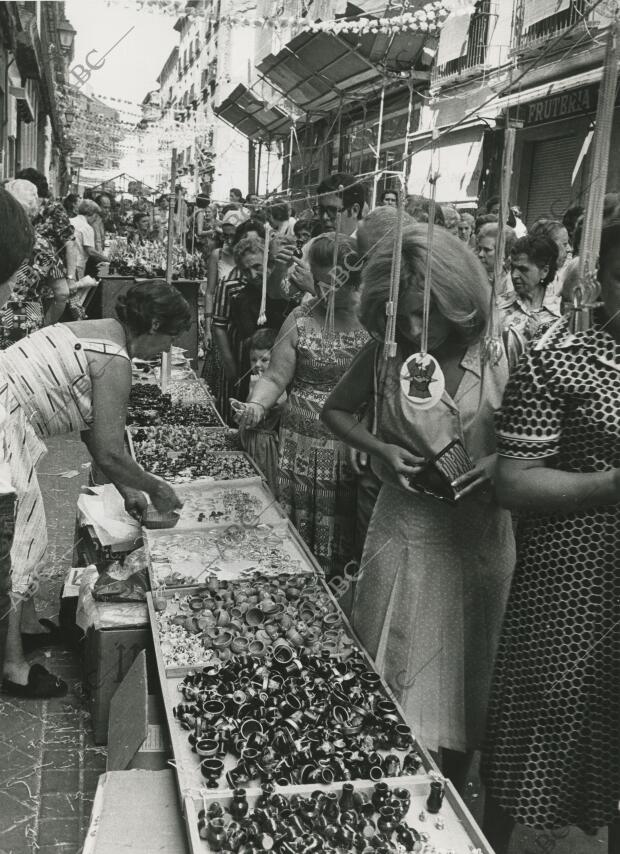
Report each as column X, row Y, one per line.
column 261, row 442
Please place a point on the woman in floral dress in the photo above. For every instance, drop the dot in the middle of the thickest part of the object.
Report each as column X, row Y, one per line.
column 39, row 280
column 316, row 481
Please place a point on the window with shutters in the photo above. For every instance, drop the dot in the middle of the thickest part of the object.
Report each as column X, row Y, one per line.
column 539, row 20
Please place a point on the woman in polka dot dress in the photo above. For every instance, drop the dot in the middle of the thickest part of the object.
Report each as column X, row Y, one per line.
column 552, row 755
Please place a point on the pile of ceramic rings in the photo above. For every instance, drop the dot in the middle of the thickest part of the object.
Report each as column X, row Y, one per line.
column 172, row 438
column 294, row 718
column 188, row 463
column 255, row 618
column 349, row 821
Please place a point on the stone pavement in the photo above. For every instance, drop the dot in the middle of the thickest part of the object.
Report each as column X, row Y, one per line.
column 49, row 766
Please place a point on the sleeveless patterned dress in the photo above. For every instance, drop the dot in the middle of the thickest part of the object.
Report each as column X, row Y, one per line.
column 316, row 484
column 45, row 391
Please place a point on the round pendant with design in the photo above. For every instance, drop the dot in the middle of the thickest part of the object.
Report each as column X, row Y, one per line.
column 422, row 381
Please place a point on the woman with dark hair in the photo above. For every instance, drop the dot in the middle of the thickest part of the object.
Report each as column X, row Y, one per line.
column 552, row 755
column 430, row 592
column 75, row 377
column 558, row 232
column 524, row 317
column 16, row 241
column 316, row 482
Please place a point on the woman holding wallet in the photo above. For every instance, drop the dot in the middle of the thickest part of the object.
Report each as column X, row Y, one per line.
column 435, row 574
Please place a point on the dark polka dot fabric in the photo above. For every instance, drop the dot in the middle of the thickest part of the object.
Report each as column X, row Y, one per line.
column 552, row 752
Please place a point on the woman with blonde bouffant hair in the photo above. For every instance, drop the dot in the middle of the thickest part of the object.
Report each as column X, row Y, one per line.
column 430, row 592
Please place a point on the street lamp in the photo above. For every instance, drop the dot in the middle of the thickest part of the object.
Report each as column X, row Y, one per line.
column 66, row 36
column 70, row 115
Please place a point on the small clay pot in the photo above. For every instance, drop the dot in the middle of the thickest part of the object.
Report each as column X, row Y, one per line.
column 239, row 645
column 254, row 617
column 258, row 648
column 222, row 640
column 223, row 617
column 206, row 748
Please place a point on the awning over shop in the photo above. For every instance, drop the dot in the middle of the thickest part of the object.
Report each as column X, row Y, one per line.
column 251, row 116
column 318, row 70
column 457, row 158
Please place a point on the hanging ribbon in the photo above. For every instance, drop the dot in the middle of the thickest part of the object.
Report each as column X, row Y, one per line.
column 586, row 292
column 391, row 307
column 330, row 311
column 262, row 315
column 493, row 349
column 433, row 177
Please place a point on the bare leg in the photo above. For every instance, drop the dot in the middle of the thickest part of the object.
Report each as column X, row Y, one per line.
column 30, row 621
column 497, row 826
column 16, row 668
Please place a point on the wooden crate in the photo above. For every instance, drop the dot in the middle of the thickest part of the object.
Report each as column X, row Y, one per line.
column 459, row 834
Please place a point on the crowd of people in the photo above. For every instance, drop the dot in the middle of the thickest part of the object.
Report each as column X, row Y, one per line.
column 481, row 604
column 488, row 604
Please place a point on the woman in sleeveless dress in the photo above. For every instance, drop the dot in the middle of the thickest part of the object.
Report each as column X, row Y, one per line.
column 74, row 377
column 316, row 481
column 434, row 575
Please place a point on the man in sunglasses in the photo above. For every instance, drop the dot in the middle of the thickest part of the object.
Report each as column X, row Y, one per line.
column 336, row 208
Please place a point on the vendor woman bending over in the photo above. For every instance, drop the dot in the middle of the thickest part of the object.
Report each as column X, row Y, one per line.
column 69, row 378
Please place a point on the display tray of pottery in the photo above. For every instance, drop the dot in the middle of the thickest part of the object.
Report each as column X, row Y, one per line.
column 247, row 501
column 211, row 624
column 187, row 557
column 422, row 814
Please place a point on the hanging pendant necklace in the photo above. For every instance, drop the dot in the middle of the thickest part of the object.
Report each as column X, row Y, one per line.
column 421, row 379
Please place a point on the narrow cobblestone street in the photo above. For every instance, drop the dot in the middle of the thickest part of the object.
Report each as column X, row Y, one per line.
column 49, row 766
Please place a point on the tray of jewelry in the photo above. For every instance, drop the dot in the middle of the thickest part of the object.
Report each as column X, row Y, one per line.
column 423, row 814
column 292, row 718
column 184, row 558
column 181, row 453
column 209, row 624
column 247, row 501
column 149, row 407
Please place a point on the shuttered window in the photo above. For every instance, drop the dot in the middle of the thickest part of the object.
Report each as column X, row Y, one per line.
column 550, row 191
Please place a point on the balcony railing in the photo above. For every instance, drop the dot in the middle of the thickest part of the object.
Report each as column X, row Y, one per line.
column 477, row 43
column 576, row 17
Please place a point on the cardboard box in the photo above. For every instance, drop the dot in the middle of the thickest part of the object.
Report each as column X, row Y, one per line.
column 108, row 655
column 136, row 811
column 137, row 735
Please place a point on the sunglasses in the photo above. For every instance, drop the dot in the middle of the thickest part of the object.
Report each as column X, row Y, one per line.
column 331, row 210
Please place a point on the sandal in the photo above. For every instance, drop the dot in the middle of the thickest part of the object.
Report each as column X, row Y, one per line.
column 41, row 640
column 41, row 685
